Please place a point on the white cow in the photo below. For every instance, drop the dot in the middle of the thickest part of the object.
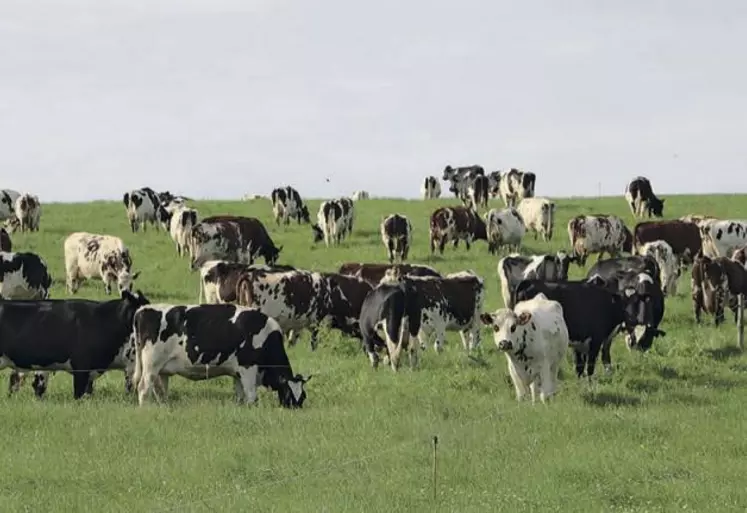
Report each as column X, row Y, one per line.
column 538, row 215
column 27, row 209
column 360, row 195
column 182, row 220
column 534, row 338
column 431, row 188
column 722, row 238
column 669, row 267
column 504, row 227
column 90, row 255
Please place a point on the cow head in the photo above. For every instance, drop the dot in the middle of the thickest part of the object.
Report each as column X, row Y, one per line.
column 638, row 303
column 656, row 206
column 305, row 216
column 317, row 232
column 508, row 329
column 271, row 253
column 449, row 173
column 564, row 260
column 291, row 391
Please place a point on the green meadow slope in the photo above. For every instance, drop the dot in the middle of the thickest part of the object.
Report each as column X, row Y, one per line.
column 665, row 432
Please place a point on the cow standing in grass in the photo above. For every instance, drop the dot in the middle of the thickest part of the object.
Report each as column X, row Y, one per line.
column 538, row 215
column 6, row 245
column 27, row 210
column 89, row 255
column 504, row 228
column 232, row 238
column 599, row 234
column 396, row 234
column 431, row 188
column 287, row 204
column 143, row 207
column 455, row 224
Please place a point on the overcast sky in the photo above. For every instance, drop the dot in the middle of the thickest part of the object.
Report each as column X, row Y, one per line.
column 217, row 98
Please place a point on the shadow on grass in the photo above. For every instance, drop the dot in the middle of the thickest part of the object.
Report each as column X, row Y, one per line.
column 610, row 399
column 723, row 353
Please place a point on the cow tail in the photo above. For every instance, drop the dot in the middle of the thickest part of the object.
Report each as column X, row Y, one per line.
column 244, row 295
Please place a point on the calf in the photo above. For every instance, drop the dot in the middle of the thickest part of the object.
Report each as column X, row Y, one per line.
column 538, row 215
column 455, row 224
column 287, row 204
column 218, row 279
column 183, row 219
column 24, row 276
column 599, row 234
column 683, row 237
column 641, row 198
column 504, row 228
column 722, row 238
column 515, row 268
column 27, row 212
column 593, row 316
column 200, row 342
column 431, row 188
column 478, row 191
column 82, row 337
column 451, row 303
column 396, row 234
column 534, row 338
column 669, row 269
column 89, row 255
column 373, row 273
column 142, row 207
column 710, row 287
column 232, row 238
column 5, row 243
column 360, row 195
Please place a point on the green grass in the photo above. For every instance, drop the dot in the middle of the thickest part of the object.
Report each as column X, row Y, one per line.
column 664, row 432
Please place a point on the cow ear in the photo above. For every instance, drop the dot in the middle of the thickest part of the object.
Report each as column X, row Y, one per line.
column 486, row 319
column 524, row 318
column 306, row 379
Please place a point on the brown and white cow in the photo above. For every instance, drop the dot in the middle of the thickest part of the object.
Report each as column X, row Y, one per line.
column 396, row 234
column 683, row 237
column 538, row 215
column 232, row 238
column 373, row 273
column 598, row 233
column 455, row 224
column 451, row 303
column 218, row 279
column 710, row 286
column 91, row 255
column 27, row 212
column 431, row 188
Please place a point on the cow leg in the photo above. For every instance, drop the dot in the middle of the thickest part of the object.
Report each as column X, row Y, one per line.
column 533, row 389
column 591, row 358
column 606, row 357
column 249, row 380
column 80, row 383
column 697, row 296
column 442, row 244
column 238, row 388
column 519, row 386
column 548, row 384
column 314, row 337
column 390, row 250
column 144, row 387
column 162, row 385
column 40, row 383
column 580, row 358
column 292, row 337
column 467, row 242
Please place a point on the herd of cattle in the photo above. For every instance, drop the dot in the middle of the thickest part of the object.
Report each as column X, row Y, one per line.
column 247, row 310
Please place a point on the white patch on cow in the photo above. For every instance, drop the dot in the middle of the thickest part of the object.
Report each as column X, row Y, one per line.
column 662, row 252
column 722, row 238
column 538, row 215
column 296, row 388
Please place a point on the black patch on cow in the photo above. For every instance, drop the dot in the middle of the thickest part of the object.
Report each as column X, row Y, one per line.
column 33, row 269
column 175, row 319
column 6, row 244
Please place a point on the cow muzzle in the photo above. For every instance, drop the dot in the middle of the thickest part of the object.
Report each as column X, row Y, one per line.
column 505, row 345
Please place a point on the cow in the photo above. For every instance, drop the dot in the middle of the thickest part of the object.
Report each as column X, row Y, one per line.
column 360, row 195
column 27, row 212
column 461, row 178
column 348, row 215
column 534, row 338
column 24, row 275
column 593, row 315
column 232, row 238
column 329, row 223
column 451, row 303
column 287, row 204
column 431, row 188
column 79, row 336
column 182, row 220
column 515, row 268
column 6, row 245
column 723, row 237
column 669, row 269
column 504, row 228
column 396, row 308
column 479, row 191
column 373, row 273
column 494, row 181
column 710, row 286
column 218, row 279
column 396, row 234
column 455, row 224
column 143, row 207
column 201, row 342
column 598, row 233
column 683, row 237
column 89, row 255
column 169, row 200
column 538, row 215
column 740, row 256
column 737, row 280
column 642, row 200
column 516, row 185
column 8, row 199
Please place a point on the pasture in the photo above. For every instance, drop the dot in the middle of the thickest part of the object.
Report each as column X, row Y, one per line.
column 665, row 432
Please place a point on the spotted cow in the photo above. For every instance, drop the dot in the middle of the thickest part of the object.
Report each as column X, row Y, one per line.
column 682, row 236
column 461, row 178
column 478, row 192
column 722, row 238
column 710, row 287
column 24, row 275
column 504, row 227
column 455, row 224
column 641, row 198
column 516, row 185
column 6, row 245
column 360, row 195
column 27, row 212
column 182, row 220
column 232, row 238
column 287, row 204
column 143, row 207
column 218, row 279
column 396, row 234
column 91, row 255
column 8, row 199
column 599, row 234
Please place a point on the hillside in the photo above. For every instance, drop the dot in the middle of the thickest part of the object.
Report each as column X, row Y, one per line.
column 664, row 432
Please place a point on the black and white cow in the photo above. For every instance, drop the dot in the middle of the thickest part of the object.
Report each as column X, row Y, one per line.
column 396, row 234
column 334, row 221
column 431, row 188
column 8, row 199
column 218, row 279
column 515, row 185
column 232, row 238
column 200, row 342
column 515, row 268
column 142, row 207
column 182, row 220
column 455, row 224
column 641, row 198
column 598, row 233
column 27, row 212
column 24, row 275
column 461, row 178
column 91, row 255
column 479, row 191
column 6, row 245
column 287, row 204
column 83, row 337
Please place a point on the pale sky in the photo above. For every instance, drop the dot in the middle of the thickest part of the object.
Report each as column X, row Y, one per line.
column 217, row 98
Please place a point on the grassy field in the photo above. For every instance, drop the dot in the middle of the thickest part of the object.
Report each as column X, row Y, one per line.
column 665, row 432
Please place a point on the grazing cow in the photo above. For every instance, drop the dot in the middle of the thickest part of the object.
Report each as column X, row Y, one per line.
column 232, row 238
column 455, row 224
column 24, row 276
column 710, row 286
column 534, row 338
column 82, row 337
column 611, row 267
column 641, row 198
column 348, row 215
column 218, row 279
column 431, row 188
column 598, row 233
column 504, row 228
column 478, row 191
column 287, row 204
column 396, row 307
column 516, row 185
column 722, row 238
column 451, row 303
column 515, row 268
column 538, row 215
column 5, row 243
column 461, row 178
column 201, row 342
column 8, row 199
column 183, row 219
column 143, row 206
column 669, row 269
column 396, row 234
column 27, row 212
column 89, row 255
column 329, row 223
column 360, row 195
column 593, row 316
column 683, row 237
column 373, row 273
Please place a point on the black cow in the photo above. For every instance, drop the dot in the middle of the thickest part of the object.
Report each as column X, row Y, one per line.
column 79, row 336
column 5, row 243
column 641, row 198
